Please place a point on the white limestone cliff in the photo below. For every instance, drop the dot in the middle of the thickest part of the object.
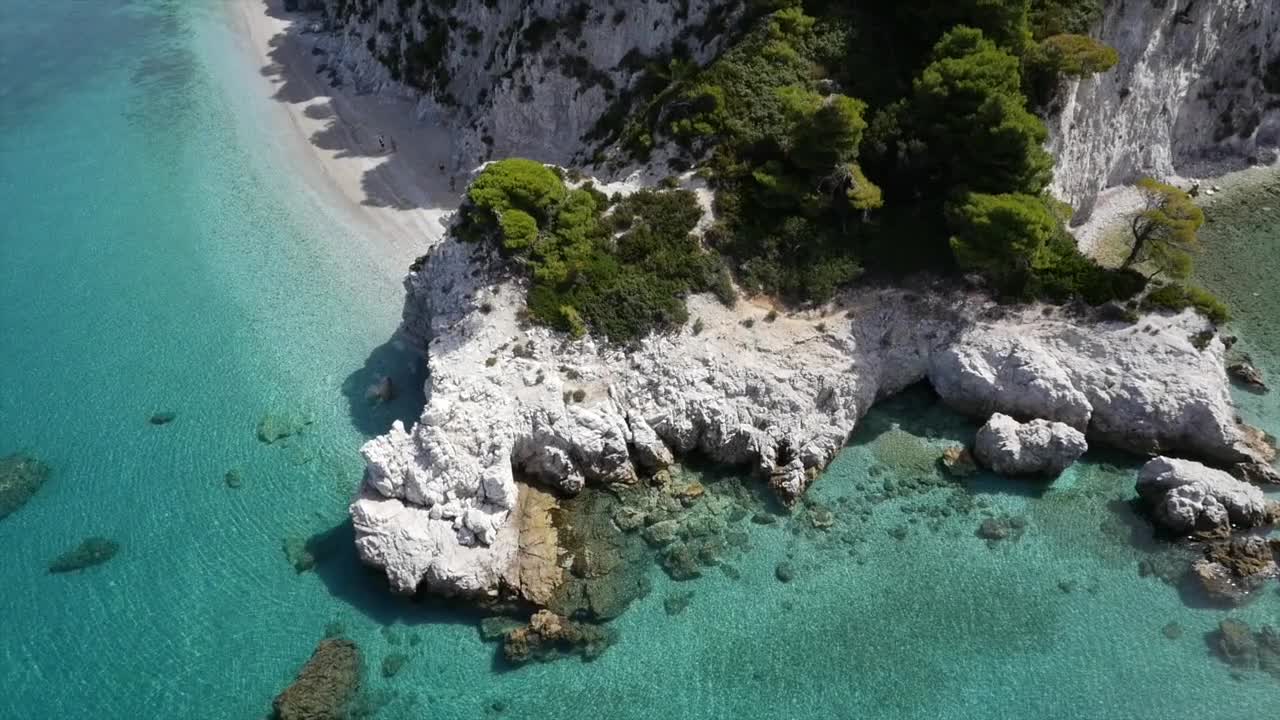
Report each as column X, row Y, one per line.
column 1190, row 97
column 528, row 78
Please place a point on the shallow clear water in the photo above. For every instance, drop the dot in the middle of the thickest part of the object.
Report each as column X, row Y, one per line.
column 156, row 256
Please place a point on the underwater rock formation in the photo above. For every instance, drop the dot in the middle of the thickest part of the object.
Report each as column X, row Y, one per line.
column 1039, row 447
column 1186, row 497
column 21, row 476
column 549, row 636
column 325, row 684
column 1232, row 570
column 91, row 551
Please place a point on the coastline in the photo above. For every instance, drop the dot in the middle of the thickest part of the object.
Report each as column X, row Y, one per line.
column 1115, row 205
column 336, row 141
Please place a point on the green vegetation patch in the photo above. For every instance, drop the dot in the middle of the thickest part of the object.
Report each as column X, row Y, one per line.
column 620, row 274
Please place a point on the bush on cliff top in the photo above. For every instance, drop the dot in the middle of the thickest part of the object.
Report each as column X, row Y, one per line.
column 619, row 275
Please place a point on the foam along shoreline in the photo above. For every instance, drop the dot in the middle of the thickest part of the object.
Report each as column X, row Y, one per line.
column 368, row 155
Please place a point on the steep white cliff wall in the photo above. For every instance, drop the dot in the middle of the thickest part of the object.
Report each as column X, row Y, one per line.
column 1196, row 93
column 518, row 78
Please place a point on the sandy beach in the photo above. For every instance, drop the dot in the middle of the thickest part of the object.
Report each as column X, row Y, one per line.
column 368, row 156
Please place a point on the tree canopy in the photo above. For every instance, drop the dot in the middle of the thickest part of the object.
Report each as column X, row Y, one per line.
column 1165, row 230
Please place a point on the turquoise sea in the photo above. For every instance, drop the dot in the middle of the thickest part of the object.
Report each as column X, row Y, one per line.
column 156, row 256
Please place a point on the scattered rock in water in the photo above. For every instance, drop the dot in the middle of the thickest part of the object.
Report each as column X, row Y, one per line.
column 496, row 627
column 731, row 572
column 1039, row 447
column 91, row 551
column 661, row 534
column 1244, row 372
column 1235, row 644
column 1005, row 527
column 676, row 603
column 680, row 562
column 233, row 479
column 324, row 686
column 958, row 462
column 21, row 476
column 764, row 518
column 628, row 518
column 163, row 418
column 1171, row 630
column 785, row 572
column 299, row 555
column 1232, row 570
column 274, row 428
column 821, row 517
column 393, row 664
column 382, row 391
column 549, row 636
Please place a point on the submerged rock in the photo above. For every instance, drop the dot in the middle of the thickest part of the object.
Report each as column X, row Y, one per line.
column 549, row 636
column 1002, row 528
column 1039, row 447
column 1171, row 630
column 21, row 476
column 274, row 428
column 1234, row 644
column 382, row 391
column 162, row 418
column 324, row 686
column 1186, row 497
column 676, row 602
column 91, row 551
column 393, row 664
column 785, row 572
column 496, row 627
column 233, row 479
column 298, row 552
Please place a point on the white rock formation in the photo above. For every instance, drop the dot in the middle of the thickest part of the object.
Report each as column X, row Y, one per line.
column 1189, row 97
column 1186, row 496
column 529, row 78
column 1039, row 447
column 780, row 397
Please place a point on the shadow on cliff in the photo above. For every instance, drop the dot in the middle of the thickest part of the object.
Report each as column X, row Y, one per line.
column 406, row 372
column 366, row 590
column 413, row 154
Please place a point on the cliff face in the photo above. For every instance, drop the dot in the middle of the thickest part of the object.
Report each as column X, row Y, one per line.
column 519, row 78
column 1196, row 93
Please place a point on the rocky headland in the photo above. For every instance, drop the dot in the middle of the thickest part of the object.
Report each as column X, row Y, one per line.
column 511, row 406
column 481, row 498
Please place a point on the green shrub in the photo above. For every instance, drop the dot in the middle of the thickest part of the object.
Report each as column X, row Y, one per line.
column 582, row 278
column 1178, row 297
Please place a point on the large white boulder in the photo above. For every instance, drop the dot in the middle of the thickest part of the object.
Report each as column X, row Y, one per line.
column 1039, row 447
column 1188, row 497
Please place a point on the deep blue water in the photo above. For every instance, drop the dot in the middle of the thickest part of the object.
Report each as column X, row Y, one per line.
column 156, row 257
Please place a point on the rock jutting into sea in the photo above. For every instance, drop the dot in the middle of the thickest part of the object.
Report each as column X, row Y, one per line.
column 21, row 476
column 91, row 551
column 1038, row 447
column 438, row 502
column 1188, row 498
column 324, row 686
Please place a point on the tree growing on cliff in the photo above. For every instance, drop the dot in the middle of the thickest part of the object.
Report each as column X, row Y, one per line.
column 1001, row 236
column 1165, row 230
